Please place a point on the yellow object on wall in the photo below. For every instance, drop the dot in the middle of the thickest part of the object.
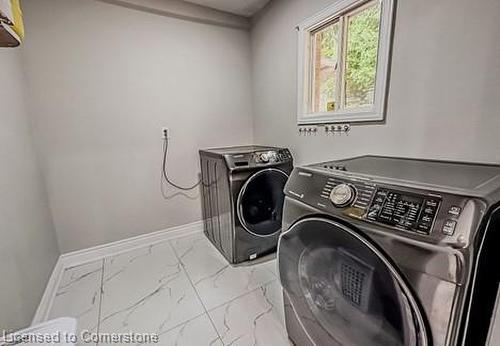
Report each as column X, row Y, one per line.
column 18, row 18
column 330, row 106
column 11, row 23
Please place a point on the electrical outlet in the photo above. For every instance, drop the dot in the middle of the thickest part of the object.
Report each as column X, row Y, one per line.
column 165, row 133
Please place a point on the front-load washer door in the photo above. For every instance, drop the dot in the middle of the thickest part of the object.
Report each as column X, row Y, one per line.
column 260, row 202
column 343, row 290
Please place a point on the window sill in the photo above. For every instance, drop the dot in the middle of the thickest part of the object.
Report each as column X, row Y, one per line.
column 354, row 116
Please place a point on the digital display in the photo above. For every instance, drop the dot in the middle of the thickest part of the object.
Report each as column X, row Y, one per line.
column 410, row 212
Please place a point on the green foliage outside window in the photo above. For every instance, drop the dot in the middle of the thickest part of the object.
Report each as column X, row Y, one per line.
column 362, row 51
column 361, row 57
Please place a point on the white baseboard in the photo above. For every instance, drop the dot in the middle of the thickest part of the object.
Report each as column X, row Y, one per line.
column 76, row 258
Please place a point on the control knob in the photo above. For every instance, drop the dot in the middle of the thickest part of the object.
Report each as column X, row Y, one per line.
column 267, row 157
column 264, row 157
column 342, row 195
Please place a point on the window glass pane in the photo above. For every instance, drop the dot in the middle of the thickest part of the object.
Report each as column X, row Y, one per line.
column 361, row 57
column 325, row 64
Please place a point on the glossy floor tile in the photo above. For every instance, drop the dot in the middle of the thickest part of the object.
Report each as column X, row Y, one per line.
column 183, row 290
column 257, row 318
column 198, row 331
column 146, row 290
column 78, row 295
column 216, row 281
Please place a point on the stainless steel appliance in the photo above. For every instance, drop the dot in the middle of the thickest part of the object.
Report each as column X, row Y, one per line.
column 390, row 251
column 243, row 198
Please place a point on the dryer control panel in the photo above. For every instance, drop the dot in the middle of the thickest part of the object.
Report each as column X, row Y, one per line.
column 411, row 212
column 397, row 208
column 415, row 211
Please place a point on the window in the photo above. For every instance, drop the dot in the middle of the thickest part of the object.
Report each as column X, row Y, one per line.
column 343, row 62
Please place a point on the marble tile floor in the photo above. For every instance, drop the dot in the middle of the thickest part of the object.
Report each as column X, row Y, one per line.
column 182, row 290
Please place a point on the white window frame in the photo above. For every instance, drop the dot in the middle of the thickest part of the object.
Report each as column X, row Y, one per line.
column 367, row 114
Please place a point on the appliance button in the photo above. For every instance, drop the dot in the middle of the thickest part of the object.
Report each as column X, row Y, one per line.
column 427, row 219
column 385, row 217
column 449, row 227
column 431, row 203
column 424, row 227
column 373, row 212
column 454, row 210
column 430, row 210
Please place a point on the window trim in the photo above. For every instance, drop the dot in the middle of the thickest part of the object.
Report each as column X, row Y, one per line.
column 376, row 113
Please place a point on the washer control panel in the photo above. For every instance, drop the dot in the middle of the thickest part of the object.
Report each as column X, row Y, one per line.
column 259, row 159
column 406, row 211
column 272, row 156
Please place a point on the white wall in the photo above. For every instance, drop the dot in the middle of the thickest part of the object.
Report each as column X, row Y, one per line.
column 103, row 80
column 444, row 97
column 28, row 246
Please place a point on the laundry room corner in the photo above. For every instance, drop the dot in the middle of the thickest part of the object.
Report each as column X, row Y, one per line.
column 249, row 172
column 103, row 80
column 28, row 246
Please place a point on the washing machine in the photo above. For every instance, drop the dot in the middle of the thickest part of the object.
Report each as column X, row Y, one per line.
column 243, row 199
column 390, row 251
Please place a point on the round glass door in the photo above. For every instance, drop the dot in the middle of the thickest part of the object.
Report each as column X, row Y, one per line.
column 343, row 290
column 260, row 202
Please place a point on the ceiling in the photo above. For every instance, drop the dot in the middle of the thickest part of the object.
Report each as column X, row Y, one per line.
column 246, row 8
